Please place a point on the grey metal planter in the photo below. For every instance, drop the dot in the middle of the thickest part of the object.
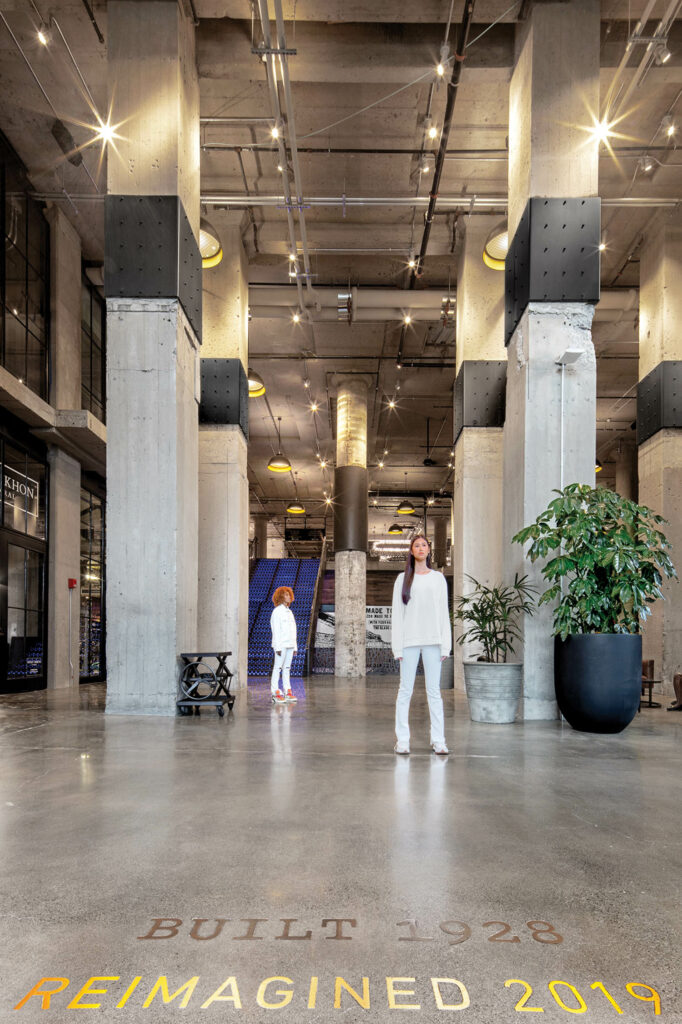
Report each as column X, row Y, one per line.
column 493, row 690
column 447, row 674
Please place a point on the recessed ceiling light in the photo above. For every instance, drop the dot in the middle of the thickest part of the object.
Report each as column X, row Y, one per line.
column 296, row 318
column 274, row 131
column 407, row 319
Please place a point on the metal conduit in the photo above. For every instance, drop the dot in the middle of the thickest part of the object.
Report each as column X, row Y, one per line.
column 274, row 102
column 291, row 131
column 473, row 203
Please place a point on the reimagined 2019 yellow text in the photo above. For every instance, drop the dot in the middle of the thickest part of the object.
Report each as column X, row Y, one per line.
column 278, row 992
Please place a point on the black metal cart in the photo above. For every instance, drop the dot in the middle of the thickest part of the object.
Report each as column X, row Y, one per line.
column 203, row 685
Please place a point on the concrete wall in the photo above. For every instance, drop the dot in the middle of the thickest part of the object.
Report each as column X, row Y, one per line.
column 532, row 457
column 660, row 484
column 152, row 503
column 154, row 91
column 476, row 550
column 63, row 564
column 553, row 99
column 65, row 312
column 223, row 557
column 350, row 583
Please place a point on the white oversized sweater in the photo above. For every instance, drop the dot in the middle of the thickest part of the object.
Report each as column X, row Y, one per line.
column 425, row 619
column 283, row 626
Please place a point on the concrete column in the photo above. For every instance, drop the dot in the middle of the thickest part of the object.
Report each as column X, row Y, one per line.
column 626, row 471
column 152, row 379
column 63, row 565
column 65, row 311
column 660, row 433
column 440, row 540
column 350, row 526
column 481, row 357
column 260, row 533
column 554, row 95
column 223, row 622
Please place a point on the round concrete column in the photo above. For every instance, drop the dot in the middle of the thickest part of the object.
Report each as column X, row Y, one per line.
column 350, row 525
column 260, row 534
column 440, row 540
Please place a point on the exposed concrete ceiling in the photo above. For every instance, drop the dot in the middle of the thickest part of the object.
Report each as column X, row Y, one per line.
column 350, row 55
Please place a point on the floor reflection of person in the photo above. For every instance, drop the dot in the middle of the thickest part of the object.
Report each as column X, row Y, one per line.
column 420, row 625
column 284, row 644
column 677, row 686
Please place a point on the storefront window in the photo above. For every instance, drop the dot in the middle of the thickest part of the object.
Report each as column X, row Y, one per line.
column 24, row 287
column 92, row 586
column 92, row 350
column 25, row 588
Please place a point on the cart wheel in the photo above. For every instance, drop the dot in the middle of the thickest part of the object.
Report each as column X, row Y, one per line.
column 198, row 681
column 197, row 711
column 230, row 704
column 221, row 712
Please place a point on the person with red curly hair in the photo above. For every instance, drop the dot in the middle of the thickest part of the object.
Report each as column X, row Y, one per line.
column 284, row 644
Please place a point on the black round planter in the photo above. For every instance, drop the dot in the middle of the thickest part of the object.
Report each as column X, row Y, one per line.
column 598, row 680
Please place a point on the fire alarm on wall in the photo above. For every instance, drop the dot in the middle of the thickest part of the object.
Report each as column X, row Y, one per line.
column 73, row 584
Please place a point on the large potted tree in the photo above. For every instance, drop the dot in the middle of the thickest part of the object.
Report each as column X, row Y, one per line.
column 608, row 560
column 491, row 618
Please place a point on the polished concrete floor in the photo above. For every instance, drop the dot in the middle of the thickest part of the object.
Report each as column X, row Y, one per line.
column 535, row 868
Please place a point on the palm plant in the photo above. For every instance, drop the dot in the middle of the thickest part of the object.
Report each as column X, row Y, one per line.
column 491, row 616
column 610, row 559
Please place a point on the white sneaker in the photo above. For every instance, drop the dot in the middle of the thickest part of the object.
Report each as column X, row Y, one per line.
column 401, row 750
column 278, row 697
column 439, row 748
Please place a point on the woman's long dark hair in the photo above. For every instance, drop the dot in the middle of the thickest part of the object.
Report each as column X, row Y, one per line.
column 409, row 567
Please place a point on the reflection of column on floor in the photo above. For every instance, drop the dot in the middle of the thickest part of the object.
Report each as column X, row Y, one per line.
column 549, row 157
column 223, row 482
column 659, row 424
column 478, row 416
column 152, row 351
column 350, row 526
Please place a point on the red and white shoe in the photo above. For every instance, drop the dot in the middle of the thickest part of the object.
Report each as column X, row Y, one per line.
column 290, row 698
column 278, row 697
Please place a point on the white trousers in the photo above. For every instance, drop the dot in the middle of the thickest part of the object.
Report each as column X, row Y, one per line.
column 282, row 664
column 408, row 670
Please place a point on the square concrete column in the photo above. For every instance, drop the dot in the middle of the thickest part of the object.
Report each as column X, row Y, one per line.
column 478, row 419
column 65, row 472
column 65, row 311
column 659, row 425
column 549, row 441
column 153, row 286
column 63, row 629
column 223, row 622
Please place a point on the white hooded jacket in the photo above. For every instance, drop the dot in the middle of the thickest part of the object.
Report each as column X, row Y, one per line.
column 283, row 626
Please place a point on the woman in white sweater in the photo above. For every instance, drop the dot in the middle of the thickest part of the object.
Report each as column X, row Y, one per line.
column 284, row 644
column 420, row 625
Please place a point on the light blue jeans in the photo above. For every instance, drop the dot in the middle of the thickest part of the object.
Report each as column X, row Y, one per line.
column 408, row 670
column 282, row 664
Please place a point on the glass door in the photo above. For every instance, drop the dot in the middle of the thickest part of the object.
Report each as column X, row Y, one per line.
column 21, row 634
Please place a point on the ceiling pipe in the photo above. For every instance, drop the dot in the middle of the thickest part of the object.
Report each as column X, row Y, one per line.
column 293, row 145
column 238, row 120
column 271, row 75
column 472, row 203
